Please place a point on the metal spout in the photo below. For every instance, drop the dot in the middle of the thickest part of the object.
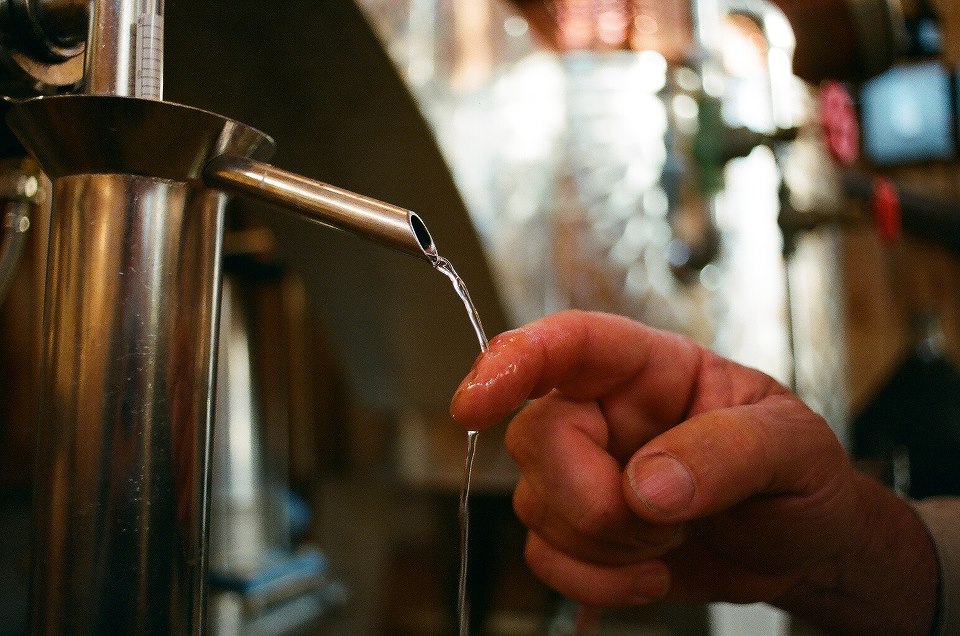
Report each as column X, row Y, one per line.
column 380, row 222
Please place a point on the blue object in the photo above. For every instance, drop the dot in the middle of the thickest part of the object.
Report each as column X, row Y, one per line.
column 908, row 115
column 278, row 573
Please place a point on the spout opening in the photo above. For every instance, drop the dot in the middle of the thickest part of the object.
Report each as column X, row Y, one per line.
column 423, row 236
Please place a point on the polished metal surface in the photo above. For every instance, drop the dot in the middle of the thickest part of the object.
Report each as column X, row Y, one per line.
column 125, row 406
column 72, row 134
column 125, row 49
column 109, row 68
column 381, row 222
column 19, row 194
column 126, row 388
column 245, row 527
column 44, row 42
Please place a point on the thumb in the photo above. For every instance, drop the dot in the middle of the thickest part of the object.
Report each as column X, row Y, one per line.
column 719, row 458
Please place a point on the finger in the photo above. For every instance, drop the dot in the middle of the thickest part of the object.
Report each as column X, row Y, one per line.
column 585, row 356
column 630, row 542
column 720, row 458
column 596, row 585
column 559, row 446
column 699, row 574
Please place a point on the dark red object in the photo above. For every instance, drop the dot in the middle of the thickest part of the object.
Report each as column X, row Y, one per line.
column 886, row 209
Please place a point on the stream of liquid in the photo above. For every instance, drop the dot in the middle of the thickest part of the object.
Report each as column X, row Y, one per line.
column 463, row 614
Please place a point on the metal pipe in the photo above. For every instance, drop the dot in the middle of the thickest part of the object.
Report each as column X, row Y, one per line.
column 243, row 532
column 381, row 222
column 111, row 48
column 125, row 49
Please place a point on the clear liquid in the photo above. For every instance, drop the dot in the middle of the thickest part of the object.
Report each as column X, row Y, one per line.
column 463, row 614
column 446, row 268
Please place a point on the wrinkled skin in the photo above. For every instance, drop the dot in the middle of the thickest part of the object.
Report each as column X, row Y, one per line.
column 655, row 469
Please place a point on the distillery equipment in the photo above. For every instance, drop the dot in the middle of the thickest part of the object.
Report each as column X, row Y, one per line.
column 135, row 320
column 137, row 199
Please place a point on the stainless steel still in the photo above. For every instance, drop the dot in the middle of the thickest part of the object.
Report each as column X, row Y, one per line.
column 128, row 360
column 133, row 285
column 127, row 380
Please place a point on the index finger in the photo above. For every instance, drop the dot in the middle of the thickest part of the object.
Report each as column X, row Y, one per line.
column 585, row 356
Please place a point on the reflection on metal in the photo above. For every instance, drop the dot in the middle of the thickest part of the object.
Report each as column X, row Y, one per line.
column 378, row 221
column 127, row 366
column 125, row 405
column 259, row 586
column 19, row 194
column 126, row 390
column 45, row 41
column 105, row 134
column 109, row 70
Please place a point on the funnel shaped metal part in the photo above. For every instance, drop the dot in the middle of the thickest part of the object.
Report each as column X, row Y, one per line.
column 100, row 134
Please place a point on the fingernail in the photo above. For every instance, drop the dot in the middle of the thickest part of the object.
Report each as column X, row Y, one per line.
column 662, row 483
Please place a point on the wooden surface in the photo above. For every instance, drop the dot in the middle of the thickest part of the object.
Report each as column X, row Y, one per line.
column 881, row 294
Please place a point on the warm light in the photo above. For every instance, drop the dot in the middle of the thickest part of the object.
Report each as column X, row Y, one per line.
column 743, row 47
column 645, row 25
column 640, row 25
column 612, row 27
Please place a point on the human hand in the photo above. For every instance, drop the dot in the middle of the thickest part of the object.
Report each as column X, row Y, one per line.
column 655, row 469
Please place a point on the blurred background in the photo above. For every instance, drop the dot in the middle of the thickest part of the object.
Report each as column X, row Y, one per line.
column 778, row 181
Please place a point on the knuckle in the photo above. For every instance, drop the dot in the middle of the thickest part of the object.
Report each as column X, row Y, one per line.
column 528, row 509
column 519, row 444
column 597, row 517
